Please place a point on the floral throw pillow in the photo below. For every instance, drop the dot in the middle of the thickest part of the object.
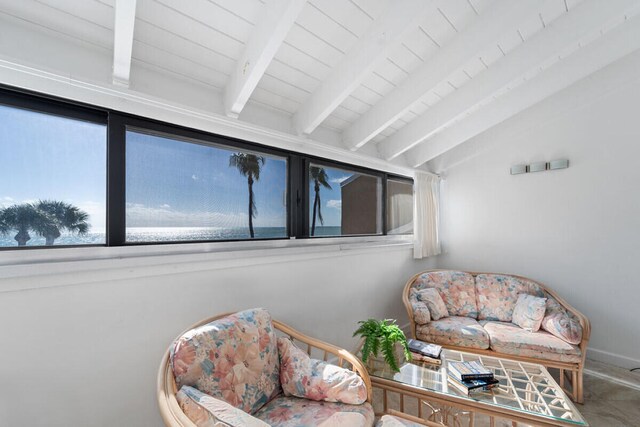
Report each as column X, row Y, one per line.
column 421, row 313
column 434, row 301
column 312, row 379
column 529, row 312
column 562, row 324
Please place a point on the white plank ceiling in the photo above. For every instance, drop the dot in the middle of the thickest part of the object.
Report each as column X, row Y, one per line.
column 410, row 78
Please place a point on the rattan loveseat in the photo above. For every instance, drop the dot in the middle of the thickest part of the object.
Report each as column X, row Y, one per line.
column 480, row 306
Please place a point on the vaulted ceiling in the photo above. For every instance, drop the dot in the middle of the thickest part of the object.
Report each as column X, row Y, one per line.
column 400, row 80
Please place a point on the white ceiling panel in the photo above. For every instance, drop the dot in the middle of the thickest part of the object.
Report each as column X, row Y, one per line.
column 293, row 75
column 372, row 8
column 248, row 10
column 367, row 95
column 345, row 13
column 458, row 13
column 93, row 11
column 159, row 37
column 391, row 72
column 331, row 32
column 284, row 88
column 419, row 44
column 211, row 15
column 184, row 26
column 302, row 61
column 58, row 20
column 306, row 41
column 275, row 100
column 355, row 104
column 201, row 42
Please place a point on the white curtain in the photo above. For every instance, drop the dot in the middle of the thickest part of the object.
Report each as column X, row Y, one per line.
column 426, row 215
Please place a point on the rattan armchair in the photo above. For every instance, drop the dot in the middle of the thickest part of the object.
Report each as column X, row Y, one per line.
column 173, row 415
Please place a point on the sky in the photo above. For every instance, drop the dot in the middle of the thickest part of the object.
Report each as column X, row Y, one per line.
column 49, row 157
column 172, row 183
column 331, row 199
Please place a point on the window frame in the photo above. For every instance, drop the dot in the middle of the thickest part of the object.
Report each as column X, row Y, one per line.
column 53, row 106
column 118, row 123
column 190, row 136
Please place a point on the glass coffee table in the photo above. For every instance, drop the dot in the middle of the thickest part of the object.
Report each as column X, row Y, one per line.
column 527, row 394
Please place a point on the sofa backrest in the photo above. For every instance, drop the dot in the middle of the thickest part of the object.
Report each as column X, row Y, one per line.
column 456, row 288
column 234, row 358
column 497, row 295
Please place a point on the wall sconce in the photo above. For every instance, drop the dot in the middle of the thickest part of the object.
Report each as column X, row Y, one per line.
column 539, row 166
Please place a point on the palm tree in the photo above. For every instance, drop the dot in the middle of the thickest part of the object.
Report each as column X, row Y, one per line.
column 62, row 216
column 4, row 228
column 319, row 177
column 248, row 165
column 24, row 218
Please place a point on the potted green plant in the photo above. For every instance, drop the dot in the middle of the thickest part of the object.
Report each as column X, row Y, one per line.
column 382, row 336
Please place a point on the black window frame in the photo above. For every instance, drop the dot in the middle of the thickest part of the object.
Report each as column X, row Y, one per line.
column 45, row 104
column 187, row 135
column 118, row 123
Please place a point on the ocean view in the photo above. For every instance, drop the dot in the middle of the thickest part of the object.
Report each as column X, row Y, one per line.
column 168, row 234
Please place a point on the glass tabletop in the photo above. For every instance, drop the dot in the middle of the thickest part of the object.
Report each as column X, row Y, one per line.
column 524, row 387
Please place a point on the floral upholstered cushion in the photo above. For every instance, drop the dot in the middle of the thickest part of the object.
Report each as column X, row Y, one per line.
column 234, row 359
column 295, row 412
column 510, row 339
column 421, row 314
column 457, row 289
column 561, row 323
column 206, row 411
column 497, row 295
column 308, row 378
column 529, row 311
column 530, row 287
column 455, row 330
column 431, row 297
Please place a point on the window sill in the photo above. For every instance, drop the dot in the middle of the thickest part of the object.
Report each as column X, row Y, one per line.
column 72, row 266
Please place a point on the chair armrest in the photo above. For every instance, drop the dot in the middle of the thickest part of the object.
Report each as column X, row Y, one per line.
column 344, row 358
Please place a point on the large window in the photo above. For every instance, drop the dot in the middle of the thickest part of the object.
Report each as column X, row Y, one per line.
column 82, row 175
column 184, row 191
column 343, row 202
column 52, row 179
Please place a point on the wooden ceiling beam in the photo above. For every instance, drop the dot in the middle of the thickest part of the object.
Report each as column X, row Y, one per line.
column 561, row 34
column 610, row 47
column 125, row 18
column 276, row 19
column 501, row 17
column 384, row 34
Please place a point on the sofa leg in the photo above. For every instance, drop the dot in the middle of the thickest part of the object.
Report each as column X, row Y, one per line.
column 562, row 378
column 578, row 388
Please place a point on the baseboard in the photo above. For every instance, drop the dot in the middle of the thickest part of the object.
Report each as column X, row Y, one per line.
column 613, row 378
column 613, row 358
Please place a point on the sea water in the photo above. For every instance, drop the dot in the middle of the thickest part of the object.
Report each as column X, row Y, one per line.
column 168, row 234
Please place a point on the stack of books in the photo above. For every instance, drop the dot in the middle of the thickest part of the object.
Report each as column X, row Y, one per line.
column 425, row 352
column 470, row 377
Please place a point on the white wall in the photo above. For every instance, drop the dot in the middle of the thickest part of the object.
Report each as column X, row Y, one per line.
column 578, row 229
column 87, row 354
